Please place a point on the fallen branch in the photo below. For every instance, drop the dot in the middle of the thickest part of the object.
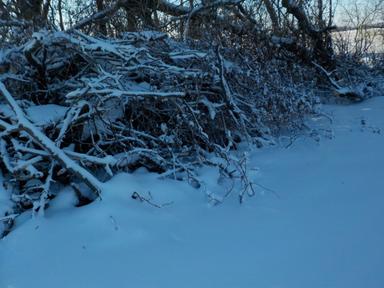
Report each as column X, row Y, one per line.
column 346, row 92
column 24, row 124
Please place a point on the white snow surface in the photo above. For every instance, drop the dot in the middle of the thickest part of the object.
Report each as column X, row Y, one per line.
column 46, row 114
column 40, row 115
column 321, row 228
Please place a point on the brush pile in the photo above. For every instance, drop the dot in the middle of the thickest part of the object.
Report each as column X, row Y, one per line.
column 76, row 109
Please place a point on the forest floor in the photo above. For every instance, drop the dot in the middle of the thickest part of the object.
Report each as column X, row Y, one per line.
column 321, row 227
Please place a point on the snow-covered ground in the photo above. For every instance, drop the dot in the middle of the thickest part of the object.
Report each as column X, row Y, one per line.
column 322, row 227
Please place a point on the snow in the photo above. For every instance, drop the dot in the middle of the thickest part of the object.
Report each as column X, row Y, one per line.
column 182, row 55
column 42, row 115
column 121, row 93
column 322, row 226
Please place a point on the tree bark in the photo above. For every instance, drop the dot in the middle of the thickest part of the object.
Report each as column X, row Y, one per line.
column 272, row 14
column 60, row 11
column 102, row 24
column 321, row 40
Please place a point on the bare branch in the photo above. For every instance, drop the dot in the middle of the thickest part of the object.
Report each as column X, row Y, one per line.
column 45, row 142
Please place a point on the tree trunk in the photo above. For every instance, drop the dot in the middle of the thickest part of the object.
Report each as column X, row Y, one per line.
column 30, row 10
column 272, row 14
column 320, row 38
column 102, row 25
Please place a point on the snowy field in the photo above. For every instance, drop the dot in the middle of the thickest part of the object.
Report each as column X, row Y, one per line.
column 322, row 227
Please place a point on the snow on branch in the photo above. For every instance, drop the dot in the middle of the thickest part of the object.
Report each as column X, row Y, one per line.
column 352, row 93
column 24, row 124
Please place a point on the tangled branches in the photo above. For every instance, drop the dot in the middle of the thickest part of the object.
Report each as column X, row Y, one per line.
column 77, row 109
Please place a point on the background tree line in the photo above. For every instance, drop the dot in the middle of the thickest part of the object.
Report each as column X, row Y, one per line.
column 301, row 26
